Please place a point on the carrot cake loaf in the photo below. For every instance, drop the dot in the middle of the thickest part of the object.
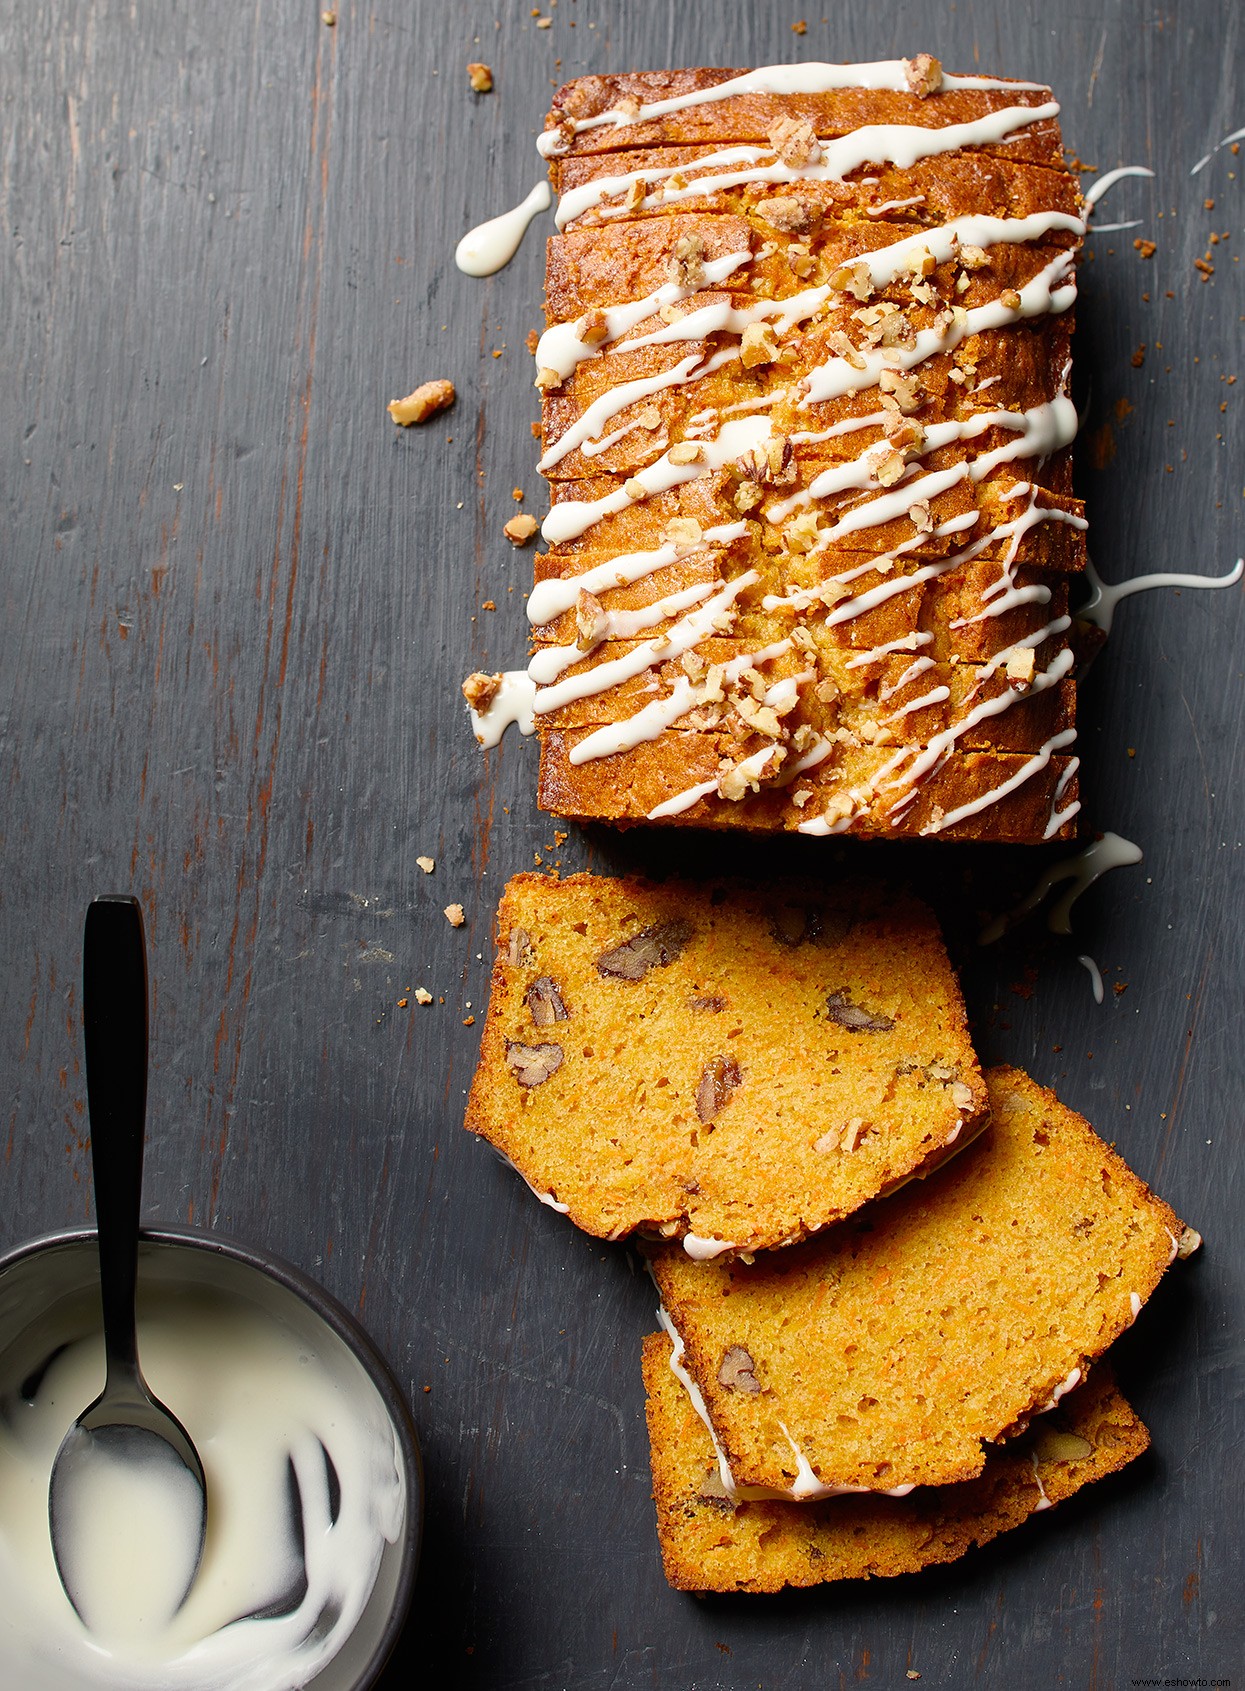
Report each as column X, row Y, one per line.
column 713, row 1541
column 726, row 1065
column 806, row 424
column 891, row 1351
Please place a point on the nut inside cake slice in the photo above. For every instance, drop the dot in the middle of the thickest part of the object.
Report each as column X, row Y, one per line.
column 733, row 1066
column 893, row 1350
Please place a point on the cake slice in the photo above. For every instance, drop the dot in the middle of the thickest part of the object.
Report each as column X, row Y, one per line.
column 894, row 1350
column 713, row 1542
column 731, row 1066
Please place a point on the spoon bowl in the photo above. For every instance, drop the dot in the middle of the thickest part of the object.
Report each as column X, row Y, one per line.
column 127, row 1502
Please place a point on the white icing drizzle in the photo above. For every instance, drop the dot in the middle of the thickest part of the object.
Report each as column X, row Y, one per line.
column 1095, row 192
column 1095, row 976
column 1082, row 870
column 893, row 205
column 581, row 433
column 809, row 78
column 1105, row 596
column 1043, row 1502
column 1175, row 1250
column 900, row 144
column 1061, row 1390
column 704, row 1250
column 1058, row 817
column 752, row 766
column 514, row 701
column 1134, row 1306
column 549, row 599
column 1236, row 135
column 936, row 696
column 550, row 661
column 546, row 1198
column 489, row 246
column 1031, row 767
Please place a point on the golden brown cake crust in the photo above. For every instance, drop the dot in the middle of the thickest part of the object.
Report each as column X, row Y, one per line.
column 893, row 1350
column 636, row 1063
column 709, row 1544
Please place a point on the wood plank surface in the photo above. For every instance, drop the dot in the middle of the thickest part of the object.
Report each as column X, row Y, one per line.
column 236, row 607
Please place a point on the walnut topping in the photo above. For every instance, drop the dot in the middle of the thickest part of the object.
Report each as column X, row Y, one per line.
column 425, row 402
column 1190, row 1240
column 760, row 718
column 520, row 951
column 454, row 915
column 921, row 262
column 903, row 433
column 546, row 379
column 827, row 690
column 687, row 267
column 1010, row 298
column 1054, row 1445
column 635, row 195
column 794, row 141
column 520, row 529
column 791, row 213
column 654, row 947
column 961, row 1095
column 921, row 517
column 480, row 690
column 923, row 75
column 734, row 784
column 692, row 664
column 649, row 418
column 683, row 533
column 719, row 1082
column 593, row 327
column 531, row 1065
column 974, row 258
column 886, row 464
column 904, row 389
column 1021, row 664
column 759, row 345
column 422, row 995
column 686, row 452
column 591, row 620
column 839, row 342
column 801, row 533
column 747, row 496
column 427, row 864
column 737, row 1371
column 713, row 1494
column 710, row 1003
column 771, row 464
column 854, row 278
column 545, row 1003
column 800, row 260
column 634, row 488
column 854, row 1017
column 481, row 78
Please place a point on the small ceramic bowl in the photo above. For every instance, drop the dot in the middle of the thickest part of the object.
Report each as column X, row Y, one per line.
column 50, row 1287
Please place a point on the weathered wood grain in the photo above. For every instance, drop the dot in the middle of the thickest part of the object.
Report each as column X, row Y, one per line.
column 236, row 607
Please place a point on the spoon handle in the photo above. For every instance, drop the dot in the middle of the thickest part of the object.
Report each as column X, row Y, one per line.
column 114, row 1021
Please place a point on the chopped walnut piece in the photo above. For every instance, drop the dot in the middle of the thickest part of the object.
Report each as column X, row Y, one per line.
column 545, row 1003
column 759, row 345
column 686, row 452
column 519, row 530
column 635, row 195
column 733, row 784
column 828, row 1142
column 546, row 379
column 854, row 1017
column 800, row 260
column 531, row 1065
column 737, row 1371
column 838, row 342
column 521, row 951
column 801, row 533
column 853, row 1133
column 720, row 1080
column 480, row 690
column 921, row 517
column 422, row 995
column 627, row 109
column 854, row 278
column 634, row 488
column 974, row 258
column 747, row 496
column 794, row 142
column 1053, row 1444
column 653, row 947
column 591, row 620
column 961, row 1095
column 592, row 328
column 904, row 389
column 1021, row 664
column 481, row 78
column 1190, row 1241
column 454, row 915
column 1010, row 299
column 649, row 418
column 827, row 690
column 790, row 213
column 711, row 1003
column 923, row 75
column 427, row 864
column 886, row 464
column 425, row 402
column 692, row 664
column 761, row 718
column 683, row 533
column 687, row 266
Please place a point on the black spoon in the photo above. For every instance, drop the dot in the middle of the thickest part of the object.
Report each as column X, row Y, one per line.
column 126, row 1423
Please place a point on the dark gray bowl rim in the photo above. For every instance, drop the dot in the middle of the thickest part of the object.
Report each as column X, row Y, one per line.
column 339, row 1319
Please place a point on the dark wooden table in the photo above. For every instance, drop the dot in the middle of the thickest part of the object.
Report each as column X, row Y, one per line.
column 237, row 604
